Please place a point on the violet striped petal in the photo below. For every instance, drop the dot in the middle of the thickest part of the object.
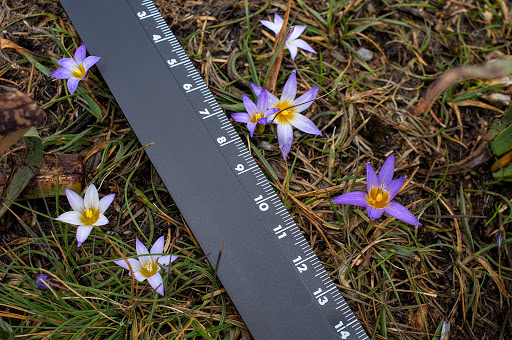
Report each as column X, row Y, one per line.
column 400, row 212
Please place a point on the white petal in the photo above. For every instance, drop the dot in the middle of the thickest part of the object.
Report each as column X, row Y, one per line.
column 158, row 246
column 271, row 26
column 82, row 233
column 296, row 32
column 301, row 44
column 285, row 138
column 102, row 220
column 91, row 198
column 157, row 283
column 290, row 88
column 71, row 217
column 293, row 50
column 141, row 249
column 164, row 260
column 303, row 123
column 306, row 100
column 105, row 202
column 75, row 200
column 135, row 266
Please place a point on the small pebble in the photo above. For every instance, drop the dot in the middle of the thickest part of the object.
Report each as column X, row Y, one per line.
column 365, row 54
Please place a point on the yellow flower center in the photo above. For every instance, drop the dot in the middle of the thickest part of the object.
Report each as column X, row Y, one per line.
column 285, row 113
column 254, row 118
column 149, row 269
column 79, row 72
column 378, row 198
column 90, row 216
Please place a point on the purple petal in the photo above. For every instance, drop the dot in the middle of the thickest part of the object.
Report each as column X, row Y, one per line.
column 80, row 54
column 293, row 50
column 75, row 200
column 372, row 181
column 278, row 20
column 290, row 88
column 241, row 117
column 394, row 187
column 141, row 249
column 91, row 198
column 257, row 89
column 397, row 210
column 157, row 283
column 272, row 26
column 102, row 220
column 285, row 138
column 173, row 258
column 299, row 43
column 61, row 73
column 269, row 113
column 158, row 246
column 303, row 123
column 357, row 198
column 295, row 32
column 306, row 100
column 72, row 84
column 374, row 213
column 90, row 61
column 262, row 103
column 251, row 108
column 82, row 233
column 251, row 127
column 105, row 202
column 135, row 266
column 387, row 170
column 164, row 260
column 68, row 63
column 71, row 217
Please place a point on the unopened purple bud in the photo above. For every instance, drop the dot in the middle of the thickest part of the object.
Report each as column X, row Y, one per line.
column 44, row 281
column 499, row 239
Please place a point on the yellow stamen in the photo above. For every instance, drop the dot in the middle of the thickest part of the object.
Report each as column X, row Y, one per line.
column 78, row 72
column 90, row 216
column 149, row 269
column 254, row 118
column 378, row 198
column 287, row 113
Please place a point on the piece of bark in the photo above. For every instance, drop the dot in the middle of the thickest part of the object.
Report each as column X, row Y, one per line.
column 67, row 168
column 18, row 113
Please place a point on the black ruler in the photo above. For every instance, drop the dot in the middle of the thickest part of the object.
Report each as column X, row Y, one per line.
column 268, row 268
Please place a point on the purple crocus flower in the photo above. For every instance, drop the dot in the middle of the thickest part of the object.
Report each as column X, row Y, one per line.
column 381, row 191
column 289, row 114
column 147, row 267
column 256, row 113
column 292, row 40
column 45, row 281
column 74, row 69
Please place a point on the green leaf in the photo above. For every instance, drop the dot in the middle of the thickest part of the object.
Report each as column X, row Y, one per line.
column 29, row 166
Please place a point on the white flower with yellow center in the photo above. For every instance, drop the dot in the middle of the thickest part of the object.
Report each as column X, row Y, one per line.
column 148, row 267
column 289, row 114
column 74, row 69
column 87, row 212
